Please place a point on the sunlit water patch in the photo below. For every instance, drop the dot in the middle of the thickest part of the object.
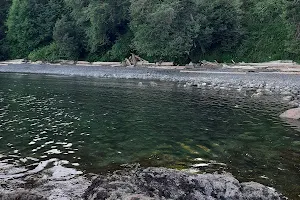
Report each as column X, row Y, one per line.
column 94, row 125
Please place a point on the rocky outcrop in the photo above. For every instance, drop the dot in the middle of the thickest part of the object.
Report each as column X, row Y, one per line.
column 160, row 183
column 21, row 196
column 291, row 114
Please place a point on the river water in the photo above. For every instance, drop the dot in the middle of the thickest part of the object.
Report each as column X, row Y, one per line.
column 99, row 125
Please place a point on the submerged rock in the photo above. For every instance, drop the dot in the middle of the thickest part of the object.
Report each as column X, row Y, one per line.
column 291, row 114
column 160, row 183
column 257, row 95
column 287, row 98
column 294, row 103
column 153, row 84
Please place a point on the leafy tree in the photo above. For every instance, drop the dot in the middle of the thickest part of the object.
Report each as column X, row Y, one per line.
column 108, row 20
column 292, row 15
column 265, row 31
column 4, row 7
column 102, row 23
column 122, row 48
column 179, row 29
column 66, row 38
column 221, row 32
column 154, row 26
column 175, row 30
column 48, row 53
column 30, row 24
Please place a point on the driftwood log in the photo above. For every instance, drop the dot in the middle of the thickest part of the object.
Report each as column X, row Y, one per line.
column 133, row 60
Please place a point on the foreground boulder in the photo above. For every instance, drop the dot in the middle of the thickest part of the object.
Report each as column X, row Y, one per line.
column 291, row 114
column 20, row 195
column 160, row 183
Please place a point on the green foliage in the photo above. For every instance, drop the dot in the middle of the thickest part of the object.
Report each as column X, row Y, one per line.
column 3, row 50
column 18, row 28
column 265, row 31
column 47, row 53
column 30, row 24
column 107, row 21
column 172, row 30
column 180, row 29
column 292, row 16
column 156, row 32
column 102, row 22
column 221, row 33
column 4, row 7
column 66, row 38
column 122, row 48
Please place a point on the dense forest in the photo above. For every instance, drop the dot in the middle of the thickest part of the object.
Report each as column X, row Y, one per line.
column 157, row 30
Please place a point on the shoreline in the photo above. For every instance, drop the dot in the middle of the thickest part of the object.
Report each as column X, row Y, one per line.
column 284, row 85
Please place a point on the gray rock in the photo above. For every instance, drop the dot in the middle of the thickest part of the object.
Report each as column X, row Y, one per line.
column 294, row 103
column 140, row 84
column 291, row 114
column 160, row 183
column 287, row 98
column 153, row 84
column 38, row 62
column 21, row 195
column 188, row 84
column 250, row 89
column 190, row 66
column 257, row 95
column 286, row 93
column 294, row 91
column 252, row 85
column 252, row 190
column 259, row 90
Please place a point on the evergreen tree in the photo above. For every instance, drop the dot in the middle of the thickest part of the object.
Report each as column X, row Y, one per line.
column 4, row 7
column 265, row 31
column 102, row 23
column 66, row 38
column 221, row 31
column 293, row 18
column 176, row 29
column 30, row 24
column 108, row 19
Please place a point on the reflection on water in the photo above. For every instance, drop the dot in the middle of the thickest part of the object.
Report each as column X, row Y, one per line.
column 97, row 125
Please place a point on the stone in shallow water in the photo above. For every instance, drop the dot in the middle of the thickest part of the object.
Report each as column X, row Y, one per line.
column 291, row 114
column 160, row 183
column 294, row 103
column 287, row 98
column 296, row 143
column 153, row 84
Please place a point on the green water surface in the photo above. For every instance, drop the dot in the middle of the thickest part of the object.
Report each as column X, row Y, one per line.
column 98, row 125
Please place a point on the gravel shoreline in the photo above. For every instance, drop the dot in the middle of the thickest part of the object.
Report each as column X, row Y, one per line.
column 286, row 86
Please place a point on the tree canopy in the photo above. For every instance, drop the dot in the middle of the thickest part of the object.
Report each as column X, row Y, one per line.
column 171, row 30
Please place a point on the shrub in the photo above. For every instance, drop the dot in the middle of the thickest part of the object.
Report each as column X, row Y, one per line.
column 48, row 53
